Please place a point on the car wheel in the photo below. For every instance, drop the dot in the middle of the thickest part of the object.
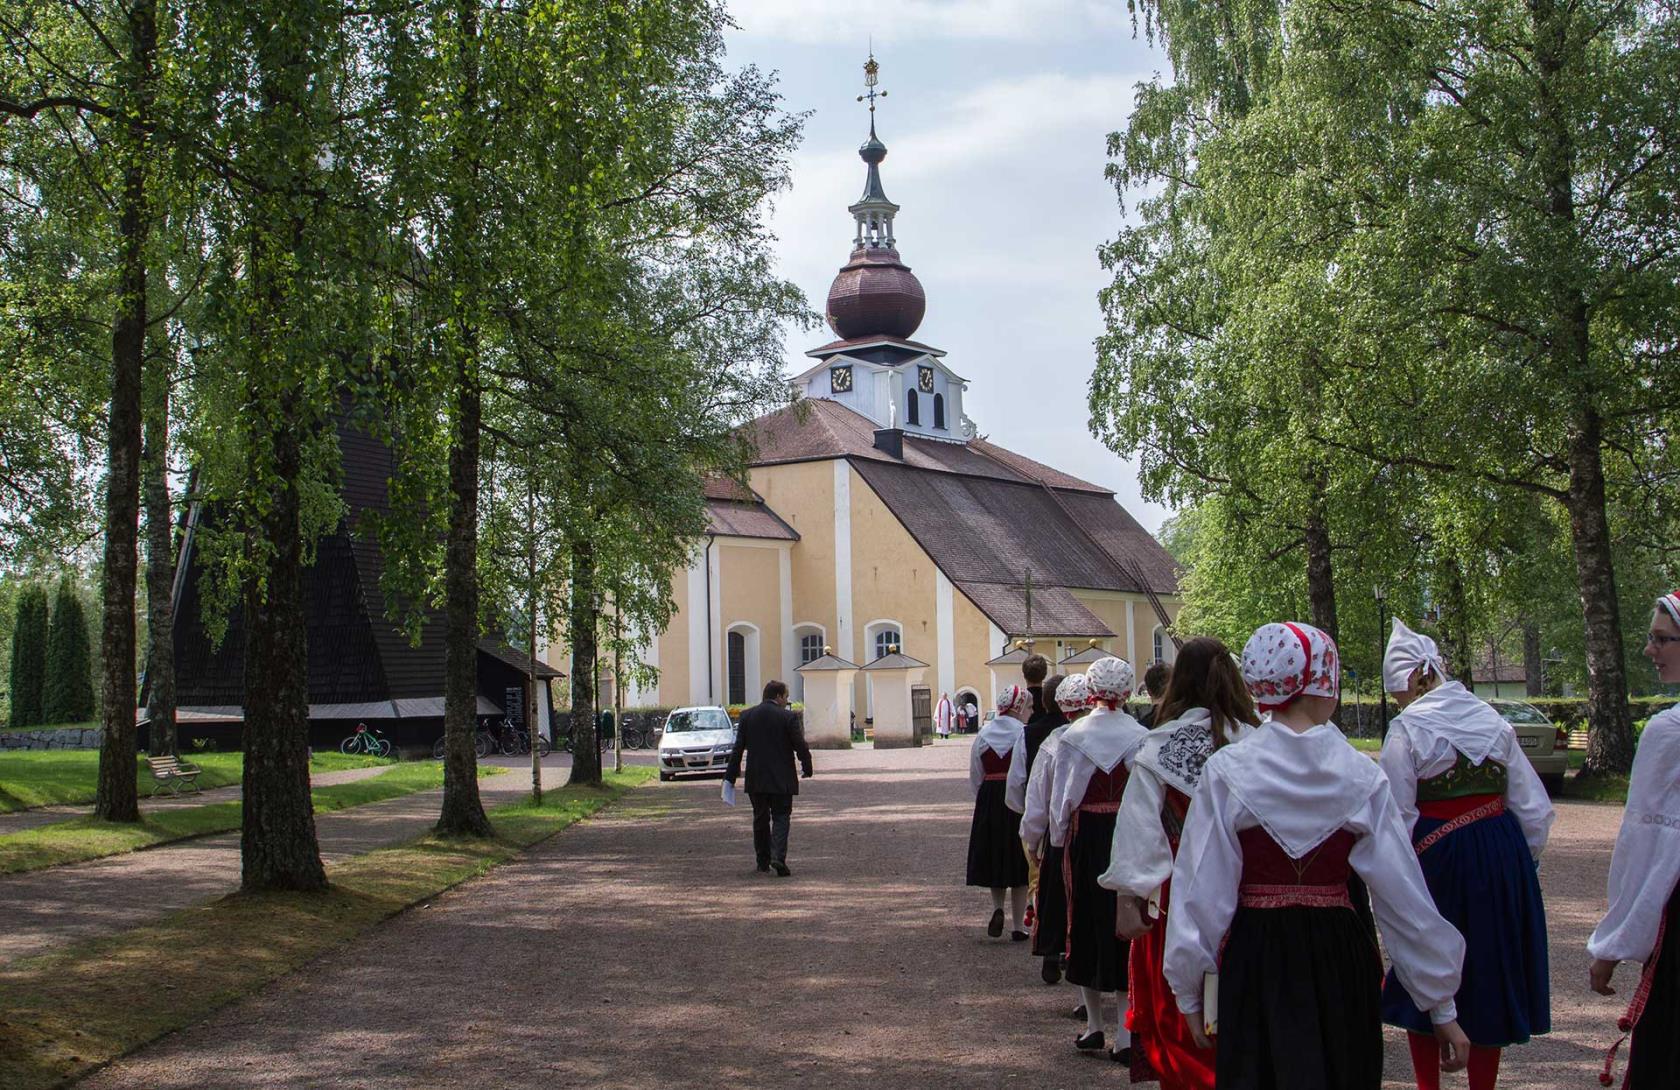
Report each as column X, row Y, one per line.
column 1553, row 782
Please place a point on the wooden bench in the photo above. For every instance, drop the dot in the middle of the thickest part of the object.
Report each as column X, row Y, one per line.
column 170, row 772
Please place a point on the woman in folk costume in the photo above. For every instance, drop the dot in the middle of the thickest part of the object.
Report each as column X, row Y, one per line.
column 1478, row 817
column 1092, row 763
column 994, row 841
column 1643, row 922
column 1276, row 826
column 1049, row 930
column 1205, row 707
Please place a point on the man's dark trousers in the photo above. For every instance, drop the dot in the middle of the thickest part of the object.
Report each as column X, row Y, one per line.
column 771, row 811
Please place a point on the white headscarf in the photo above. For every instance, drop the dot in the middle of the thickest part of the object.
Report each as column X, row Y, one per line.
column 1073, row 693
column 1110, row 678
column 1408, row 650
column 1670, row 604
column 1283, row 661
column 1012, row 700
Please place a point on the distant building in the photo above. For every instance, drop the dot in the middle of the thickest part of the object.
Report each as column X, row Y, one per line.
column 879, row 518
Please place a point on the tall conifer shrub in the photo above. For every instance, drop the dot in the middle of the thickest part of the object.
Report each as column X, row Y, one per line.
column 68, row 695
column 29, row 658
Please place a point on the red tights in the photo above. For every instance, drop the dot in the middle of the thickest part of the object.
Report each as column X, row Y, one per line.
column 1426, row 1063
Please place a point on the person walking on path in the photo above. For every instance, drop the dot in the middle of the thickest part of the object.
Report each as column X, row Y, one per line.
column 1479, row 817
column 769, row 737
column 1204, row 707
column 1276, row 827
column 1046, row 717
column 1049, row 929
column 1643, row 921
column 1033, row 671
column 1093, row 762
column 944, row 715
column 995, row 861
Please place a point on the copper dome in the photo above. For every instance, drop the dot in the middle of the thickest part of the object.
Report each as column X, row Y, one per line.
column 875, row 295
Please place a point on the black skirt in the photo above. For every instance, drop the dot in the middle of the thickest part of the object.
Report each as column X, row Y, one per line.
column 995, row 858
column 1096, row 955
column 1050, row 911
column 1299, row 1002
column 1655, row 1055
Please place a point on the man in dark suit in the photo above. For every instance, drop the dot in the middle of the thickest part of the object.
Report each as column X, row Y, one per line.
column 772, row 735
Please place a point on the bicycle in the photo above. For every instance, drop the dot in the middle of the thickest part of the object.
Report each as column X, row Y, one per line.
column 635, row 737
column 484, row 744
column 515, row 742
column 366, row 740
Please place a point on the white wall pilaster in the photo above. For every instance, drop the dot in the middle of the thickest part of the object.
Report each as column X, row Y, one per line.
column 944, row 623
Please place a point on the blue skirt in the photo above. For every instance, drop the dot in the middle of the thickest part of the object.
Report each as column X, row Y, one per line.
column 1484, row 882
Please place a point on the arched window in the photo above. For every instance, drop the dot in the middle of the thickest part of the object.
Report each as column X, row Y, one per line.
column 939, row 411
column 737, row 668
column 811, row 639
column 1163, row 646
column 914, row 405
column 885, row 640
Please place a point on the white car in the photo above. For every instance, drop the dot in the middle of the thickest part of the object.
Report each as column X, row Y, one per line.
column 696, row 740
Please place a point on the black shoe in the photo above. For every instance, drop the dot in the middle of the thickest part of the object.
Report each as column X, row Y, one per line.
column 1019, row 936
column 1089, row 1042
column 1121, row 1055
column 1078, row 1012
column 764, row 868
column 1051, row 971
column 995, row 927
column 781, row 869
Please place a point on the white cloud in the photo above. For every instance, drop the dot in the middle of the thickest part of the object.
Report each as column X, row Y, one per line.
column 820, row 21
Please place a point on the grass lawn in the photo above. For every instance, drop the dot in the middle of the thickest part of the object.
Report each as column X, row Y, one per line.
column 66, row 1013
column 81, row 839
column 58, row 777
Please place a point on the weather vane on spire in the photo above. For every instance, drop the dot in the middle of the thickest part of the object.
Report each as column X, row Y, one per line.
column 871, row 76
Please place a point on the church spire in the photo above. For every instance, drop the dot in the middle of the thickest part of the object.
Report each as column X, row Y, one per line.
column 873, row 212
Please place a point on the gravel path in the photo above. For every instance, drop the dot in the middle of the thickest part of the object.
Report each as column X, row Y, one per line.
column 639, row 950
column 45, row 908
column 19, row 820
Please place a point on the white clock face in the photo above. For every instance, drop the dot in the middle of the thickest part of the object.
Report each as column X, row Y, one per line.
column 924, row 379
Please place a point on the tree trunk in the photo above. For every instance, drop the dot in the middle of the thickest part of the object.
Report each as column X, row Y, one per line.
column 1534, row 666
column 277, row 839
column 1610, row 739
column 463, row 811
column 585, row 616
column 1455, row 624
column 1321, row 584
column 160, row 563
column 116, row 798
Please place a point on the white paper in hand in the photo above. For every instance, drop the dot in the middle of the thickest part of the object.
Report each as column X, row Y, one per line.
column 1210, row 1003
column 728, row 793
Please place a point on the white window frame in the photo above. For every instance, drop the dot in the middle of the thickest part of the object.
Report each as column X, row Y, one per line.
column 752, row 669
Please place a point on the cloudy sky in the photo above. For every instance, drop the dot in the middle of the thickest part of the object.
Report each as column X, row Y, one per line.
column 995, row 121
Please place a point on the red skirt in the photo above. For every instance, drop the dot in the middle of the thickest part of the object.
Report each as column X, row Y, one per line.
column 1161, row 1044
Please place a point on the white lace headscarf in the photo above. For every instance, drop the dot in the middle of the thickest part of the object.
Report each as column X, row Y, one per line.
column 1110, row 678
column 1073, row 693
column 1012, row 700
column 1283, row 661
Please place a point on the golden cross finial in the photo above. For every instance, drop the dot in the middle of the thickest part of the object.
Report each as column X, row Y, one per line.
column 871, row 76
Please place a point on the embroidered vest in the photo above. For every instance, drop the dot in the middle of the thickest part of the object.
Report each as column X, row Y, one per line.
column 1464, row 779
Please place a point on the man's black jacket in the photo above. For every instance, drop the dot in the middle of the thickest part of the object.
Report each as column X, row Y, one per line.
column 771, row 735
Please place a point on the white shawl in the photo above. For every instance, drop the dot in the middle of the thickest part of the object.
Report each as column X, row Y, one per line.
column 1646, row 863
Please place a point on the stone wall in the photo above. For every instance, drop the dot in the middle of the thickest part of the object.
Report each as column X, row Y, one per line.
column 47, row 738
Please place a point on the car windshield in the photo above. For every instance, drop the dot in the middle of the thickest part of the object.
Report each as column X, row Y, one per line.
column 1521, row 715
column 697, row 719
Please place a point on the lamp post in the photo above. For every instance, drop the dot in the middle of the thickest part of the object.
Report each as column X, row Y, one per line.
column 1381, row 594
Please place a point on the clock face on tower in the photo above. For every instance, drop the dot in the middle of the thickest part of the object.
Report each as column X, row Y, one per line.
column 924, row 379
column 840, row 380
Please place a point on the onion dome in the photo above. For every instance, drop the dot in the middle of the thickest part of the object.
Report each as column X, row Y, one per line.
column 875, row 294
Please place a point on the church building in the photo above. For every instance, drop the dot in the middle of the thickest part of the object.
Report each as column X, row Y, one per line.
column 879, row 521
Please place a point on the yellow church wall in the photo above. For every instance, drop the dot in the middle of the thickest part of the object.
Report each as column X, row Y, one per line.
column 1110, row 608
column 673, row 646
column 803, row 495
column 892, row 580
column 972, row 648
column 750, row 583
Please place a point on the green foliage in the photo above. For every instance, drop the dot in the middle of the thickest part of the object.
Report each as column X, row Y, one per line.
column 29, row 659
column 1369, row 280
column 68, row 693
